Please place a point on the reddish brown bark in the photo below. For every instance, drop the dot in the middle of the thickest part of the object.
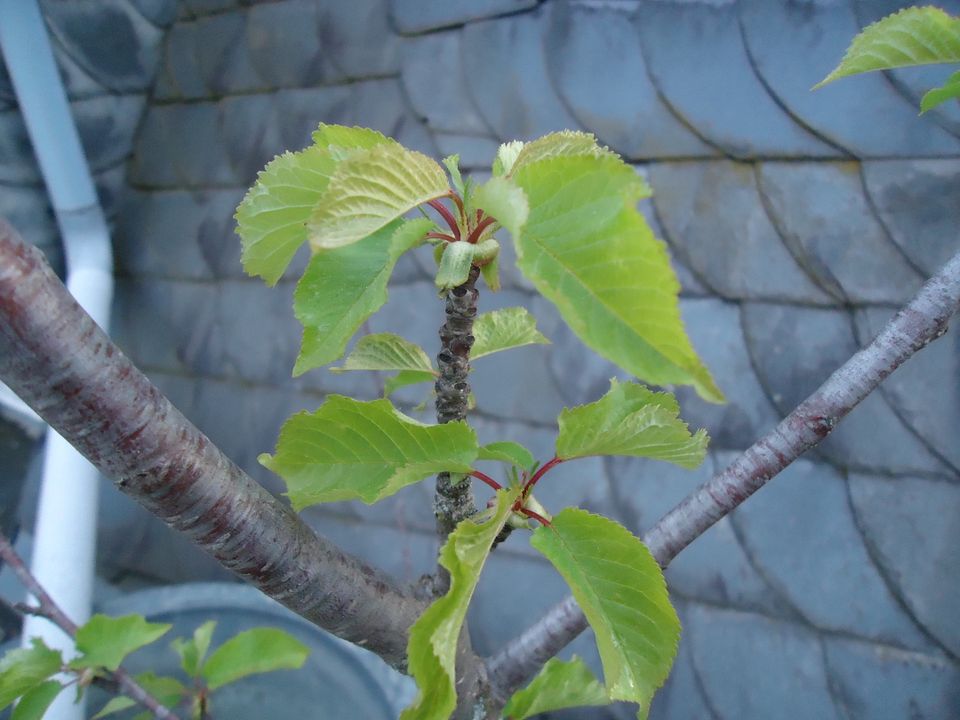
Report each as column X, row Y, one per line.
column 64, row 366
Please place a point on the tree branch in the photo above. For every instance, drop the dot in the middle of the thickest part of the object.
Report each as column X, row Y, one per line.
column 454, row 500
column 64, row 366
column 50, row 610
column 923, row 320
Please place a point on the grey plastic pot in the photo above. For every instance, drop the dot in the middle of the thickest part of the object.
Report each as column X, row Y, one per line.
column 338, row 681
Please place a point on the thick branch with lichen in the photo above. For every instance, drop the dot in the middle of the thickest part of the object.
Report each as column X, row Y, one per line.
column 922, row 321
column 61, row 363
column 454, row 499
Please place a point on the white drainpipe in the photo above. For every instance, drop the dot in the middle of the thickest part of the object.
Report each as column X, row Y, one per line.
column 64, row 550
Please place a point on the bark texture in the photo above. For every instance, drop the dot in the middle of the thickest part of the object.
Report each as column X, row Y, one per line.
column 454, row 500
column 62, row 364
column 923, row 320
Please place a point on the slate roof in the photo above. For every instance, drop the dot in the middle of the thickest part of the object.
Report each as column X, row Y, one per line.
column 798, row 223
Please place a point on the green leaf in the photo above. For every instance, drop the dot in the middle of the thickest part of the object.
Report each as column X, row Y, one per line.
column 271, row 219
column 501, row 199
column 452, row 163
column 167, row 690
column 949, row 90
column 350, row 449
column 370, row 190
column 35, row 703
column 559, row 685
column 386, row 351
column 117, row 704
column 342, row 287
column 491, row 274
column 913, row 36
column 508, row 452
column 630, row 420
column 23, row 669
column 504, row 329
column 342, row 141
column 621, row 590
column 566, row 143
column 587, row 250
column 506, row 157
column 454, row 265
column 251, row 652
column 193, row 651
column 432, row 647
column 105, row 641
column 407, row 377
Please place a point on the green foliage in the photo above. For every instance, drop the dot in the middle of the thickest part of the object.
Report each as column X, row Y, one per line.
column 455, row 261
column 622, row 592
column 386, row 351
column 503, row 330
column 23, row 669
column 948, row 91
column 105, row 641
column 559, row 685
column 34, row 703
column 630, row 420
column 432, row 646
column 252, row 652
column 371, row 189
column 342, row 287
column 570, row 207
column 587, row 249
column 509, row 452
column 193, row 651
column 349, row 449
column 913, row 36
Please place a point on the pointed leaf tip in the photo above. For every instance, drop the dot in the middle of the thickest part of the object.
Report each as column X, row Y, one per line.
column 622, row 592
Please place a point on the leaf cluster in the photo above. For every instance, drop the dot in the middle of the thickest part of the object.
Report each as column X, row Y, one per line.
column 33, row 674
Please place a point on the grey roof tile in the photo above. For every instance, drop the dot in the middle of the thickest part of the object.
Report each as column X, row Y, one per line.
column 845, row 112
column 874, row 683
column 681, row 697
column 115, row 45
column 512, row 47
column 917, row 202
column 824, row 217
column 624, row 110
column 250, row 125
column 284, row 45
column 17, row 163
column 698, row 61
column 184, row 145
column 787, row 656
column 178, row 75
column 411, row 16
column 714, row 215
column 794, row 349
column 910, row 525
column 159, row 12
column 436, row 82
column 300, row 110
column 223, row 57
column 924, row 392
column 178, row 234
column 107, row 125
column 359, row 36
column 717, row 336
column 474, row 151
column 822, row 566
column 714, row 568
